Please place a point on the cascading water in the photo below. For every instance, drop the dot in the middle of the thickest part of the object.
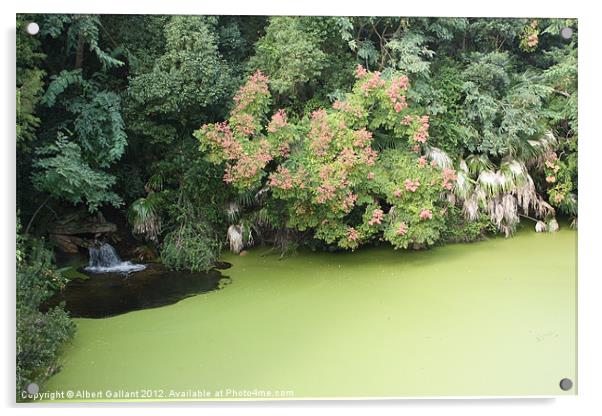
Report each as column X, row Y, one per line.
column 104, row 259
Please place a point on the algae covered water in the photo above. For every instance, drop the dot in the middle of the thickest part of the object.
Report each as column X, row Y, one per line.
column 491, row 318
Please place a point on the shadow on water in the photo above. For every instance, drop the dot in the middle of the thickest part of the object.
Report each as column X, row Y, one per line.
column 107, row 294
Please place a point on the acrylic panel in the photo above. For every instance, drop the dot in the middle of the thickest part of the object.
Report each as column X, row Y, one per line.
column 295, row 207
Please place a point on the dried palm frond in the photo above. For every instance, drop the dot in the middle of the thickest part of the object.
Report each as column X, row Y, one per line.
column 232, row 211
column 541, row 148
column 235, row 238
column 437, row 155
column 540, row 227
column 478, row 163
column 470, row 208
column 464, row 184
column 144, row 216
column 489, row 182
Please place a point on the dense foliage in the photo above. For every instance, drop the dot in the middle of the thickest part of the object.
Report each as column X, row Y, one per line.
column 324, row 132
column 40, row 335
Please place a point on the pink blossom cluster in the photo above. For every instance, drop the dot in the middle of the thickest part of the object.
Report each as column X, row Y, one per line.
column 284, row 149
column 245, row 168
column 281, row 178
column 558, row 198
column 397, row 193
column 248, row 165
column 551, row 163
column 368, row 156
column 422, row 161
column 411, row 185
column 402, row 229
column 426, row 214
column 360, row 71
column 550, row 178
column 398, row 85
column 220, row 135
column 326, row 192
column 423, row 130
column 375, row 81
column 244, row 123
column 377, row 217
column 256, row 85
column 349, row 202
column 449, row 175
column 532, row 40
column 407, row 120
column 362, row 137
column 347, row 107
column 347, row 157
column 352, row 234
column 278, row 121
column 320, row 133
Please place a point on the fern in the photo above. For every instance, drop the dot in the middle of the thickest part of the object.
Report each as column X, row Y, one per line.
column 59, row 84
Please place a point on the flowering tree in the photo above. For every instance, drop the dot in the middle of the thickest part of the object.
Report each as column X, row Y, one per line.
column 325, row 167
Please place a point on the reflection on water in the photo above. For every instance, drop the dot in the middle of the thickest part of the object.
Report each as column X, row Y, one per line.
column 108, row 294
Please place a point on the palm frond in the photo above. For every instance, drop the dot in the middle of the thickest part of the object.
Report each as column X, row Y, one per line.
column 477, row 163
column 144, row 216
column 438, row 156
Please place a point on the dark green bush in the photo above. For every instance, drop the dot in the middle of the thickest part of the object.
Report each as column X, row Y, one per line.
column 192, row 246
column 40, row 335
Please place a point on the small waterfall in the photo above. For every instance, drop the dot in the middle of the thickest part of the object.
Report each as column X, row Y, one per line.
column 104, row 259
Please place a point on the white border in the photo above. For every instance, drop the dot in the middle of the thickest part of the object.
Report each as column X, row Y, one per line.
column 590, row 278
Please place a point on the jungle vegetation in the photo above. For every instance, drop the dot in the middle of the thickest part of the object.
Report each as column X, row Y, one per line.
column 199, row 132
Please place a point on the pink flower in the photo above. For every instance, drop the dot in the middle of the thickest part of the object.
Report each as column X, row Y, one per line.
column 278, row 121
column 550, row 179
column 374, row 82
column 397, row 192
column 368, row 156
column 426, row 214
column 403, row 229
column 422, row 133
column 256, row 86
column 433, row 163
column 362, row 137
column 532, row 40
column 398, row 107
column 377, row 216
column 422, row 161
column 411, row 185
column 326, row 192
column 558, row 198
column 320, row 133
column 284, row 149
column 407, row 120
column 352, row 234
column 347, row 156
column 346, row 107
column 360, row 71
column 281, row 178
column 349, row 202
column 416, row 148
column 244, row 123
column 449, row 175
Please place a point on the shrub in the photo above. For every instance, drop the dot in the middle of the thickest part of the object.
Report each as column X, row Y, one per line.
column 40, row 335
column 190, row 247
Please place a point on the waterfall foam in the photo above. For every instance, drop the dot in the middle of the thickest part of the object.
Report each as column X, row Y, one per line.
column 104, row 259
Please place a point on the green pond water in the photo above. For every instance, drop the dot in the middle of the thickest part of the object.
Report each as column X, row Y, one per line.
column 491, row 318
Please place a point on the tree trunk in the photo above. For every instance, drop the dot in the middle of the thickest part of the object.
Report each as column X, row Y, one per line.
column 79, row 53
